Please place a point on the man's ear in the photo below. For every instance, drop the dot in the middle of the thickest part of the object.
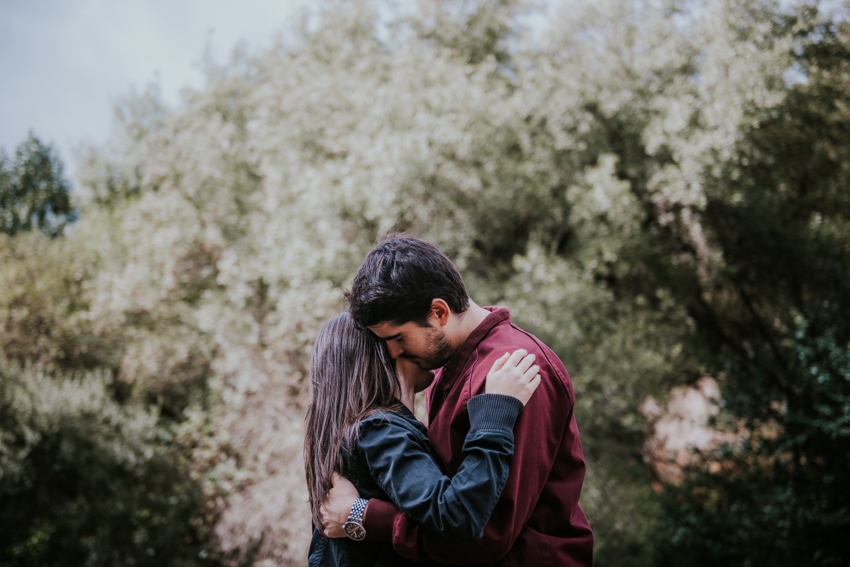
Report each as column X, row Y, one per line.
column 440, row 311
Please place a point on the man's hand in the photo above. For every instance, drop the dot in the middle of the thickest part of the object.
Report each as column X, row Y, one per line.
column 336, row 508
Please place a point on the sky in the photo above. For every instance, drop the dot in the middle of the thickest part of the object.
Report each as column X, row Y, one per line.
column 65, row 63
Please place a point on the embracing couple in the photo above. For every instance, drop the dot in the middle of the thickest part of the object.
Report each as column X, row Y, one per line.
column 496, row 476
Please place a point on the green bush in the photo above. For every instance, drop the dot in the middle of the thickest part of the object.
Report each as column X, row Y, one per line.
column 85, row 480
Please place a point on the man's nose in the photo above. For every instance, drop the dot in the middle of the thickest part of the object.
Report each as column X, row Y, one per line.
column 395, row 349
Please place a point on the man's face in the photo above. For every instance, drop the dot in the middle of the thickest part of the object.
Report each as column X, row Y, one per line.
column 426, row 346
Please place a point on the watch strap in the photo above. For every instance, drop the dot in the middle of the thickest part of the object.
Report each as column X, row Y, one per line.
column 357, row 510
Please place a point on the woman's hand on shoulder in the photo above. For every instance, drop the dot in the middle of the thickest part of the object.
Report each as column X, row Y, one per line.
column 514, row 374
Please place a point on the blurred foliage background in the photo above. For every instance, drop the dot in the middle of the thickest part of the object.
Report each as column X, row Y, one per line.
column 657, row 188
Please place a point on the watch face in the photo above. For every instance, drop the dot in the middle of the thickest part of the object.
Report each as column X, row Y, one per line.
column 354, row 530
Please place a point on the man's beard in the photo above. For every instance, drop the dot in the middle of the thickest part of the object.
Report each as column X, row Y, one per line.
column 440, row 351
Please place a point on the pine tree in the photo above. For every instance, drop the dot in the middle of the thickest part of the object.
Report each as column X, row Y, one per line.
column 33, row 191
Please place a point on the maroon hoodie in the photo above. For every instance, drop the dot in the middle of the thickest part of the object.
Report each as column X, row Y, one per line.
column 537, row 520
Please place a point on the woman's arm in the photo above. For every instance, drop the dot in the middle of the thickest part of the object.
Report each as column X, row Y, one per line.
column 457, row 507
column 401, row 463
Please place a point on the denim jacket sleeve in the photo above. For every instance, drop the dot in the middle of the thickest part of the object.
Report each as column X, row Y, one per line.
column 401, row 462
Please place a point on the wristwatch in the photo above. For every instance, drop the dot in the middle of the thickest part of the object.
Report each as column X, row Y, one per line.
column 353, row 528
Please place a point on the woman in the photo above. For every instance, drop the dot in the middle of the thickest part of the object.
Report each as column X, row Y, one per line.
column 360, row 422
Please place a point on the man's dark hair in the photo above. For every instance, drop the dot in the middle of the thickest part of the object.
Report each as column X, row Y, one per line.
column 400, row 278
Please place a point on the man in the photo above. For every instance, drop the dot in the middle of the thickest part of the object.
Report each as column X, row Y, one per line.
column 411, row 295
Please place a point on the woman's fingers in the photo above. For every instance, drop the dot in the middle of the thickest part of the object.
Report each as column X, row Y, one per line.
column 515, row 358
column 514, row 374
column 529, row 374
column 520, row 361
column 514, row 364
column 525, row 363
column 500, row 362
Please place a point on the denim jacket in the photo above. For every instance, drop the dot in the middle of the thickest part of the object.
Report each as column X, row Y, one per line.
column 391, row 459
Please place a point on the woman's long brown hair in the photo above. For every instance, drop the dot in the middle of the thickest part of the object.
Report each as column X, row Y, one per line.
column 351, row 376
